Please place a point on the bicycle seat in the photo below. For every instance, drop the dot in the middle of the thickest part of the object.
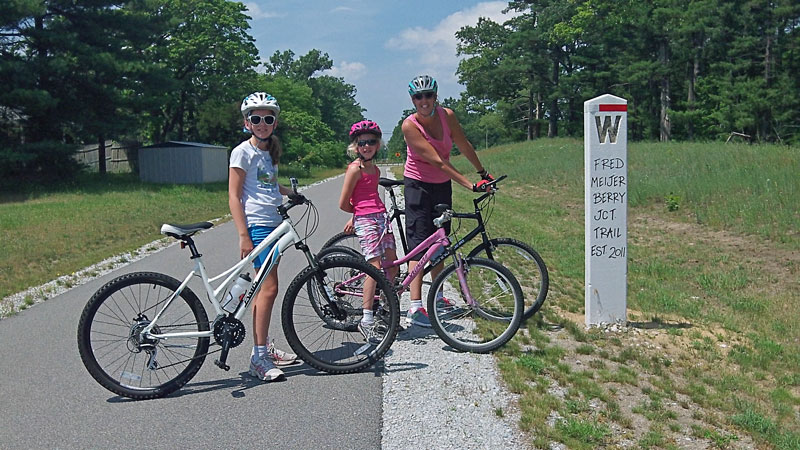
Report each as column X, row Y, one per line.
column 180, row 231
column 441, row 207
column 387, row 183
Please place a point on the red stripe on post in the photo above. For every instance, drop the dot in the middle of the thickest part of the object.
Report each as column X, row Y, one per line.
column 606, row 108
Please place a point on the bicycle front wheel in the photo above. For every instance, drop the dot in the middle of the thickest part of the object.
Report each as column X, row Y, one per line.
column 347, row 321
column 487, row 321
column 123, row 361
column 525, row 264
column 323, row 307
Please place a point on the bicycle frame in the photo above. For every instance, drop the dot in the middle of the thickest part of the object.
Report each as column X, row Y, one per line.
column 284, row 235
column 433, row 243
column 480, row 228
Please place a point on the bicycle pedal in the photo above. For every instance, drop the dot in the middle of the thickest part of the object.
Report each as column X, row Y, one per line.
column 222, row 365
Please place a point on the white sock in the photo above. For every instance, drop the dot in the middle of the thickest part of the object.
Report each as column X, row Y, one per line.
column 439, row 295
column 415, row 305
column 367, row 317
column 258, row 352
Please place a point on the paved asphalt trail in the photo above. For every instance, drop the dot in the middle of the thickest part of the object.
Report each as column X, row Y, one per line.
column 49, row 400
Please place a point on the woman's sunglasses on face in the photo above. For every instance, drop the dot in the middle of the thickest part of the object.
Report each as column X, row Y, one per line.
column 366, row 142
column 426, row 95
column 255, row 119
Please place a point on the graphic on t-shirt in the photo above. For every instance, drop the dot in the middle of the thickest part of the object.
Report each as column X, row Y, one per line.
column 267, row 178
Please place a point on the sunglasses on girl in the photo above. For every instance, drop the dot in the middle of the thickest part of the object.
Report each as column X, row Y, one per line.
column 426, row 95
column 256, row 119
column 366, row 142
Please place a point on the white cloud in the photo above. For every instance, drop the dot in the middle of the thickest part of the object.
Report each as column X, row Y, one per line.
column 342, row 9
column 435, row 48
column 349, row 71
column 256, row 12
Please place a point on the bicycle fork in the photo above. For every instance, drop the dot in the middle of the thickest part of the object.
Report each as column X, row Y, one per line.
column 330, row 306
column 461, row 271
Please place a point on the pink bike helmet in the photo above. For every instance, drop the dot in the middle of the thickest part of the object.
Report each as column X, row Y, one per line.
column 364, row 127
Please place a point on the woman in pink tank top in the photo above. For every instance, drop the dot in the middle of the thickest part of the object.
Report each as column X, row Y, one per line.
column 430, row 133
column 372, row 226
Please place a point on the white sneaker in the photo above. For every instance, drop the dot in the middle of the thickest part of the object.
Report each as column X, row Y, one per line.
column 280, row 357
column 264, row 369
column 370, row 332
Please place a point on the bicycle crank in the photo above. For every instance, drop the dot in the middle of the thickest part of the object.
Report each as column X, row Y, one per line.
column 229, row 332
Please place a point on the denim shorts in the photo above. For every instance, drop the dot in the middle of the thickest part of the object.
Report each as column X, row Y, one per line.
column 257, row 234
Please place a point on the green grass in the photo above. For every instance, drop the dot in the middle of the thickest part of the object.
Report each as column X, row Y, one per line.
column 749, row 189
column 56, row 230
column 747, row 195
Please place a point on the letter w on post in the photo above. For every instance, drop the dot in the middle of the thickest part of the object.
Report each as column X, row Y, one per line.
column 607, row 129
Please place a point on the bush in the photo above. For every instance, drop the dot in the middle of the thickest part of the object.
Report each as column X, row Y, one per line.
column 39, row 161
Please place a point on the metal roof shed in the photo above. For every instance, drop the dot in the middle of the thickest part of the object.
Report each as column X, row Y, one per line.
column 183, row 163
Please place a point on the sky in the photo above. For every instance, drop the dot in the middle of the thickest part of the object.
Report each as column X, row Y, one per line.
column 377, row 46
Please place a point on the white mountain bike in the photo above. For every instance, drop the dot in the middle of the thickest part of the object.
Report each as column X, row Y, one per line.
column 145, row 335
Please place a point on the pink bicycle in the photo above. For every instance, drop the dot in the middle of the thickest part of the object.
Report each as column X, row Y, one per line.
column 485, row 306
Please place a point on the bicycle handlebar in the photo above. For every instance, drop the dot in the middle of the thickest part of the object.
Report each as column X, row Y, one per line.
column 448, row 214
column 295, row 199
column 490, row 190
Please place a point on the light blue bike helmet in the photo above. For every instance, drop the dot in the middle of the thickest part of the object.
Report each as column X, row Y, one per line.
column 422, row 84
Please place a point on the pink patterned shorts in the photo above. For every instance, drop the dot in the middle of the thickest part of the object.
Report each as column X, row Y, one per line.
column 374, row 233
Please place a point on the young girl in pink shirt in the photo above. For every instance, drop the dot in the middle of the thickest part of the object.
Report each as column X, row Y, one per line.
column 360, row 196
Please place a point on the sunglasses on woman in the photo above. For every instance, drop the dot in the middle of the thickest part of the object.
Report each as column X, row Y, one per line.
column 426, row 95
column 256, row 119
column 366, row 142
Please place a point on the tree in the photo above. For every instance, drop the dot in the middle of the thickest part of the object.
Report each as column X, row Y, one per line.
column 337, row 104
column 210, row 58
column 397, row 143
column 505, row 65
column 73, row 67
column 334, row 98
column 301, row 69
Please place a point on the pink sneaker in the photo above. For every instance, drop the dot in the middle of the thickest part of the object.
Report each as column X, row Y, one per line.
column 444, row 303
column 280, row 357
column 418, row 317
column 264, row 369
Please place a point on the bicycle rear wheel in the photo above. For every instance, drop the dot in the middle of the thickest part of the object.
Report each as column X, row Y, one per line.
column 525, row 264
column 332, row 342
column 124, row 362
column 338, row 250
column 349, row 240
column 491, row 321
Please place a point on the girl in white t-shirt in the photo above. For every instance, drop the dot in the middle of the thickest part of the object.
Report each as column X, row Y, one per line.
column 253, row 197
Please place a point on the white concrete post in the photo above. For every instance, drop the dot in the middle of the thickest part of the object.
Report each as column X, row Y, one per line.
column 605, row 127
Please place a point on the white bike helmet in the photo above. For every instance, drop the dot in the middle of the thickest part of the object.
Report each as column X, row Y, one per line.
column 422, row 84
column 260, row 100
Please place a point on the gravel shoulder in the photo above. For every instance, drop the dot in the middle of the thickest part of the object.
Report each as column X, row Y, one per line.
column 437, row 397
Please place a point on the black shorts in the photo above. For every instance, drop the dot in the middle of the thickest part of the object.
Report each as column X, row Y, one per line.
column 421, row 199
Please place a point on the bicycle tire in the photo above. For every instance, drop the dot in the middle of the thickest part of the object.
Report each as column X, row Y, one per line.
column 525, row 264
column 337, row 349
column 338, row 250
column 488, row 325
column 114, row 354
column 342, row 239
